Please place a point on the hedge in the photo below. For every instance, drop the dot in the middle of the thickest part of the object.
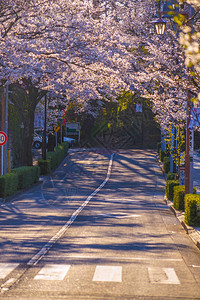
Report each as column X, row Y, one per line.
column 162, row 154
column 179, row 194
column 172, row 176
column 53, row 158
column 166, row 164
column 19, row 178
column 45, row 166
column 158, row 147
column 8, row 184
column 169, row 190
column 27, row 176
column 192, row 209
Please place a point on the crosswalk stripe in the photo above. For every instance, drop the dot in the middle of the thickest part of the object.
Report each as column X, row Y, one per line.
column 108, row 273
column 6, row 268
column 163, row 275
column 53, row 272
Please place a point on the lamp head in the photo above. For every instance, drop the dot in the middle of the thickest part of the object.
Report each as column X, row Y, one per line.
column 160, row 25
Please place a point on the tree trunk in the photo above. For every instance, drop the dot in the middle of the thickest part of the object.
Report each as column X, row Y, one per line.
column 24, row 99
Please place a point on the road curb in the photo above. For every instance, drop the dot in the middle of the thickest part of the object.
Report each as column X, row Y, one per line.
column 193, row 233
column 20, row 192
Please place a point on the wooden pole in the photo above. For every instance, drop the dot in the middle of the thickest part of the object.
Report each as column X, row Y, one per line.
column 187, row 150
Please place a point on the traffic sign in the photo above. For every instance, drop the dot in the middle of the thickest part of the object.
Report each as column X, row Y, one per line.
column 56, row 128
column 63, row 112
column 3, row 138
column 63, row 122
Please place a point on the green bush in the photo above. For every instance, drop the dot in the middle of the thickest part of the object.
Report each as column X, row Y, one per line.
column 162, row 154
column 192, row 209
column 166, row 164
column 53, row 158
column 45, row 166
column 179, row 194
column 19, row 178
column 27, row 176
column 172, row 176
column 8, row 184
column 169, row 191
column 158, row 147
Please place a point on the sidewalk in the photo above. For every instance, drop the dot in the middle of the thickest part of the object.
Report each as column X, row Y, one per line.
column 193, row 232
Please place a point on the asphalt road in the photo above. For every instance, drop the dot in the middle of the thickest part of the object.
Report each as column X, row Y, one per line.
column 86, row 233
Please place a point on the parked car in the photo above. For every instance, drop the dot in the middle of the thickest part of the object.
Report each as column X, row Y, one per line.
column 37, row 141
column 69, row 140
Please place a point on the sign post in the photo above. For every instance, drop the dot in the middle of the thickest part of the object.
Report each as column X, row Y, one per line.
column 3, row 140
column 73, row 129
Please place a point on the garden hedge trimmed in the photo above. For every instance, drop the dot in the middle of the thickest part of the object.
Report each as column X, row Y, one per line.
column 45, row 166
column 19, row 178
column 172, row 176
column 27, row 176
column 162, row 155
column 192, row 209
column 166, row 164
column 8, row 184
column 169, row 190
column 179, row 194
column 53, row 159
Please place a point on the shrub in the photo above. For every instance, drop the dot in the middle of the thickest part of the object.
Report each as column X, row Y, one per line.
column 158, row 147
column 179, row 194
column 27, row 176
column 172, row 176
column 53, row 158
column 166, row 164
column 8, row 184
column 169, row 191
column 192, row 209
column 45, row 166
column 162, row 154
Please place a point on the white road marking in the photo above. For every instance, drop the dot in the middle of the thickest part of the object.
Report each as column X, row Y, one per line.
column 115, row 257
column 163, row 275
column 34, row 260
column 6, row 268
column 52, row 272
column 123, row 199
column 6, row 285
column 120, row 215
column 108, row 273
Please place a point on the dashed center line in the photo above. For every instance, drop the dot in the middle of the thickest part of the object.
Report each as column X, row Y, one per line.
column 34, row 260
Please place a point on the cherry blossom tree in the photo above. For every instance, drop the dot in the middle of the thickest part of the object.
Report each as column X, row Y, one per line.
column 90, row 49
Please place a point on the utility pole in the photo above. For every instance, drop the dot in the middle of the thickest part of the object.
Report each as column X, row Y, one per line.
column 189, row 150
column 4, row 128
column 44, row 141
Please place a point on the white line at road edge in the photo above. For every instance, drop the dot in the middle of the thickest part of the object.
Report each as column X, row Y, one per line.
column 36, row 258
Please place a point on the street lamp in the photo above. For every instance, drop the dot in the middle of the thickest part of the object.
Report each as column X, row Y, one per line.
column 160, row 25
column 44, row 143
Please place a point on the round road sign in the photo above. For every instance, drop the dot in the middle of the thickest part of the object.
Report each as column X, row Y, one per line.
column 3, row 138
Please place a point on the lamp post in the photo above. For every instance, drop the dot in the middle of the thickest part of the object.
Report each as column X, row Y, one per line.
column 4, row 128
column 44, row 143
column 160, row 26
